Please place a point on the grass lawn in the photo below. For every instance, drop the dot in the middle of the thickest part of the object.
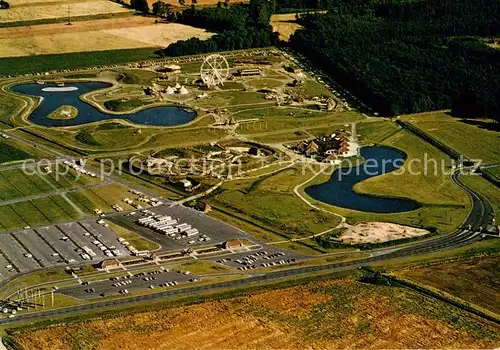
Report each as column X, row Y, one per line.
column 494, row 172
column 230, row 217
column 231, row 98
column 102, row 198
column 282, row 137
column 487, row 189
column 124, row 105
column 313, row 88
column 304, row 120
column 203, row 267
column 298, row 248
column 33, row 278
column 133, row 238
column 138, row 76
column 476, row 139
column 269, row 200
column 445, row 204
column 9, row 153
column 426, row 177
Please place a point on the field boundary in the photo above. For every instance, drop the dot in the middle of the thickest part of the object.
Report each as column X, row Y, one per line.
column 446, row 297
column 35, row 22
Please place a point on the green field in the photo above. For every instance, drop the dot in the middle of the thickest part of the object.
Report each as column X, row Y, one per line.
column 269, row 200
column 138, row 76
column 42, row 63
column 476, row 139
column 487, row 189
column 17, row 183
column 9, row 153
column 37, row 212
column 52, row 209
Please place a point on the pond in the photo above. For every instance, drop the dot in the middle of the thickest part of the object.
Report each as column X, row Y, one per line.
column 54, row 96
column 338, row 190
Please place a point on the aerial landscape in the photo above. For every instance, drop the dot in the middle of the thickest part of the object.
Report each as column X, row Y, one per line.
column 186, row 174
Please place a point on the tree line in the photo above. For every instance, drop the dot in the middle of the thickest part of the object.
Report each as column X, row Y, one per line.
column 237, row 27
column 408, row 57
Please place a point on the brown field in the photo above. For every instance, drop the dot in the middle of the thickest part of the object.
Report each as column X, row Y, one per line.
column 94, row 35
column 284, row 24
column 329, row 314
column 474, row 280
column 28, row 10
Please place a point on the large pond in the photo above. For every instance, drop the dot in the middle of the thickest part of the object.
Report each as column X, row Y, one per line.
column 338, row 190
column 54, row 96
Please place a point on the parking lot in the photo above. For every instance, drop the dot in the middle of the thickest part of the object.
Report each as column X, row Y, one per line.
column 267, row 256
column 57, row 245
column 130, row 284
column 206, row 227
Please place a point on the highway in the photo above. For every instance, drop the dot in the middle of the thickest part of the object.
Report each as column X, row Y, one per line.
column 479, row 217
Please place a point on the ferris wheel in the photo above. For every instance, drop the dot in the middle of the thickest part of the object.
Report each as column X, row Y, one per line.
column 214, row 70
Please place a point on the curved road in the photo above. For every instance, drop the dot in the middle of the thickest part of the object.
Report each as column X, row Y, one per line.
column 480, row 216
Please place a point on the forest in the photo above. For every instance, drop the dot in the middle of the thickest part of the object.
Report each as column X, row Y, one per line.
column 408, row 57
column 237, row 27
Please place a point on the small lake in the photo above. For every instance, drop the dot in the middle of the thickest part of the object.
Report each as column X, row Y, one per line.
column 338, row 190
column 53, row 98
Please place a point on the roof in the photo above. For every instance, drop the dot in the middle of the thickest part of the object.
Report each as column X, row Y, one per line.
column 109, row 263
column 233, row 243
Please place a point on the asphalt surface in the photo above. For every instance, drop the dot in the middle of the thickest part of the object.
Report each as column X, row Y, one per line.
column 480, row 215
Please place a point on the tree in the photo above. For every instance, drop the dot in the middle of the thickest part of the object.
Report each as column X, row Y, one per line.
column 4, row 5
column 161, row 9
column 140, row 5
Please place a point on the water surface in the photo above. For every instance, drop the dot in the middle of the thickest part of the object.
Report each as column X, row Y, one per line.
column 157, row 116
column 338, row 190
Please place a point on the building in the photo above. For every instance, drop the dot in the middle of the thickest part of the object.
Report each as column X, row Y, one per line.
column 249, row 72
column 327, row 147
column 232, row 244
column 109, row 264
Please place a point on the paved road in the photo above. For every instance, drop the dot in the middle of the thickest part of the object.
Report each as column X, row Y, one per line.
column 480, row 215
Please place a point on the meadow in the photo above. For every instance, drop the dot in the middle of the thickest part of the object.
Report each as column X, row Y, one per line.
column 475, row 138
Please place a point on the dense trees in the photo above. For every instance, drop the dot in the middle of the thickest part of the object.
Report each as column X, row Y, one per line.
column 162, row 9
column 408, row 56
column 238, row 27
column 4, row 5
column 140, row 5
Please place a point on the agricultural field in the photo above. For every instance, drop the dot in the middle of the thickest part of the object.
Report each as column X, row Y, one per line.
column 69, row 206
column 476, row 138
column 472, row 279
column 9, row 153
column 285, row 25
column 30, row 10
column 282, row 317
column 37, row 212
column 94, row 35
column 19, row 183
